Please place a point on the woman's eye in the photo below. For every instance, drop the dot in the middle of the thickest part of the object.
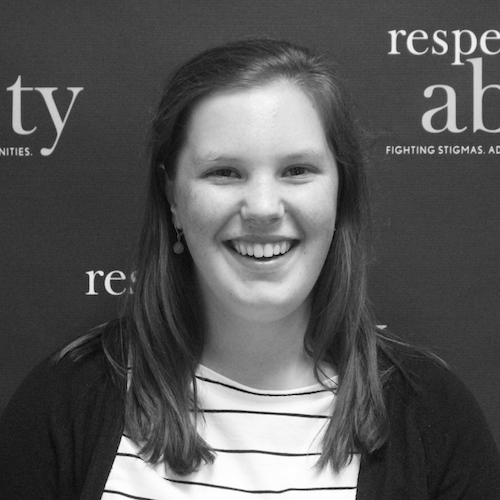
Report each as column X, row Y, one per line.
column 296, row 171
column 223, row 172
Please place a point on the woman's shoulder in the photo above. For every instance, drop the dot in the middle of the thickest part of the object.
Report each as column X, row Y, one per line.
column 68, row 407
column 428, row 385
column 428, row 396
column 426, row 376
column 69, row 375
column 433, row 410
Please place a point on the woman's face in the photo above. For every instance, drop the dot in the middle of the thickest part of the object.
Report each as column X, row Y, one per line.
column 256, row 194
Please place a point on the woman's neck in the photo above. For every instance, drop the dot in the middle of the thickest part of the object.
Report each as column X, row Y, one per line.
column 264, row 354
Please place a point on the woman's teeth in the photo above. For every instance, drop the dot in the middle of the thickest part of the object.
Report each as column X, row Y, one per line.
column 259, row 250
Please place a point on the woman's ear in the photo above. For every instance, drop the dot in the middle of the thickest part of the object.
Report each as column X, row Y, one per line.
column 169, row 186
column 175, row 217
column 171, row 198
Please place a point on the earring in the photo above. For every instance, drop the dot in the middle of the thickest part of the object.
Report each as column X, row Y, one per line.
column 178, row 245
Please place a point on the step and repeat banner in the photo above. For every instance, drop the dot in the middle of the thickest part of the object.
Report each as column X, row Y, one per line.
column 78, row 81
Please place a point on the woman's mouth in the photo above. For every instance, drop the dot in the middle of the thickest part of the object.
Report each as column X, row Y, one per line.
column 261, row 250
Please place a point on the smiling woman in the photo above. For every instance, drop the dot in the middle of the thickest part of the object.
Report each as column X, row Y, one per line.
column 247, row 360
column 256, row 176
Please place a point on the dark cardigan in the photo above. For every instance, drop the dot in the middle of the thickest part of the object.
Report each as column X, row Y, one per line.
column 60, row 433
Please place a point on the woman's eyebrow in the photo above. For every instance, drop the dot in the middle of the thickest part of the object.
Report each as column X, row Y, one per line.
column 306, row 155
column 297, row 156
column 214, row 158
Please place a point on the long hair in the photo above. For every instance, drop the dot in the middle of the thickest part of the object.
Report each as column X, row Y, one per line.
column 163, row 330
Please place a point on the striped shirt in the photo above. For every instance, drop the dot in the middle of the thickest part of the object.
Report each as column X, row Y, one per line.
column 266, row 442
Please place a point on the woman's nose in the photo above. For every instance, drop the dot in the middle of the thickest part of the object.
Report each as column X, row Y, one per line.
column 263, row 201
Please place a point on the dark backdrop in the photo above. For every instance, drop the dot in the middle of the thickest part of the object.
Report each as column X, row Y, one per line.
column 70, row 210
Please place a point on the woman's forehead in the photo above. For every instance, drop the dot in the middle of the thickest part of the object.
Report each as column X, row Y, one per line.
column 272, row 116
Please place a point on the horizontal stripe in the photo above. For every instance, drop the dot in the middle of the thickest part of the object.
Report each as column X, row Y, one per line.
column 268, row 413
column 130, row 455
column 260, row 492
column 239, row 471
column 219, row 450
column 264, row 394
column 121, row 493
column 265, row 452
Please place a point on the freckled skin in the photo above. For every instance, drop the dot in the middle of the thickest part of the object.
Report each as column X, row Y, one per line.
column 256, row 166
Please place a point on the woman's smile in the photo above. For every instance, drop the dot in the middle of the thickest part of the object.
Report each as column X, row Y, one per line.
column 267, row 260
column 261, row 250
column 255, row 192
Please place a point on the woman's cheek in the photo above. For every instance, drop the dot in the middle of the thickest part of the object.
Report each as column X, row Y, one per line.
column 192, row 208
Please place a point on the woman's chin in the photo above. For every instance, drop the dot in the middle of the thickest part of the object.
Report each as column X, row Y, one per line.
column 267, row 308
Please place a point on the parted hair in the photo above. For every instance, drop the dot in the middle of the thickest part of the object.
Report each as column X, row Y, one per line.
column 161, row 334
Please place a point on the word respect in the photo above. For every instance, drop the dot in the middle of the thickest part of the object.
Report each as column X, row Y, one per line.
column 464, row 42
